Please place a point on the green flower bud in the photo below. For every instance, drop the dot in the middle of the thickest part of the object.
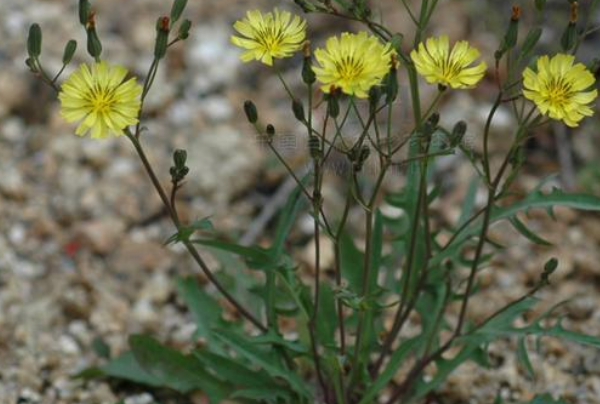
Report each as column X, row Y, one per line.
column 530, row 41
column 184, row 29
column 396, row 42
column 177, row 9
column 70, row 49
column 458, row 133
column 84, row 11
column 94, row 46
column 391, row 86
column 333, row 105
column 162, row 37
column 308, row 75
column 180, row 158
column 34, row 41
column 306, row 6
column 251, row 112
column 374, row 97
column 298, row 110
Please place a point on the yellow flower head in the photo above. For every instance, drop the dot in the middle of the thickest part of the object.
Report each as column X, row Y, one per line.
column 354, row 63
column 438, row 64
column 559, row 88
column 97, row 96
column 269, row 36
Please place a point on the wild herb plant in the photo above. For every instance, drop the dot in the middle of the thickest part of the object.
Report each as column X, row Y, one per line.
column 409, row 268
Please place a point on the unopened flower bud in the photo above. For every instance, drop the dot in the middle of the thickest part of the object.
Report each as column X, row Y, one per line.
column 177, row 9
column 180, row 158
column 94, row 46
column 34, row 41
column 333, row 105
column 251, row 112
column 70, row 49
column 184, row 29
column 298, row 110
column 308, row 75
column 458, row 133
column 84, row 11
column 162, row 37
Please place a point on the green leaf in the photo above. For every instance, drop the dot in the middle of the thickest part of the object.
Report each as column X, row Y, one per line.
column 534, row 200
column 287, row 216
column 263, row 395
column 255, row 257
column 523, row 357
column 351, row 261
column 469, row 201
column 205, row 310
column 175, row 370
column 127, row 368
column 234, row 371
column 526, row 232
column 396, row 361
column 263, row 359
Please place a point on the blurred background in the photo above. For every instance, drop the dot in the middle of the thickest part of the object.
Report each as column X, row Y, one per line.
column 81, row 230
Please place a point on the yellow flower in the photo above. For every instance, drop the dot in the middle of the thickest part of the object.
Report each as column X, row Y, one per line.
column 269, row 36
column 353, row 62
column 97, row 96
column 438, row 64
column 559, row 88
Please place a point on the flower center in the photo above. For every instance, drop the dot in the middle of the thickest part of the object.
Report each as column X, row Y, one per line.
column 559, row 91
column 270, row 37
column 101, row 100
column 349, row 68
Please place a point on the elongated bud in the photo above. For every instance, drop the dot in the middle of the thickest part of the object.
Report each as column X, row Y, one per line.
column 431, row 124
column 177, row 9
column 458, row 133
column 84, row 11
column 162, row 37
column 391, row 82
column 298, row 110
column 512, row 34
column 308, row 75
column 34, row 41
column 530, row 41
column 94, row 46
column 333, row 104
column 184, row 29
column 70, row 49
column 374, row 97
column 180, row 158
column 569, row 37
column 251, row 112
column 314, row 147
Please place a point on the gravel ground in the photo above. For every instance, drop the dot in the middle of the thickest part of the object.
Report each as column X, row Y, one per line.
column 81, row 254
